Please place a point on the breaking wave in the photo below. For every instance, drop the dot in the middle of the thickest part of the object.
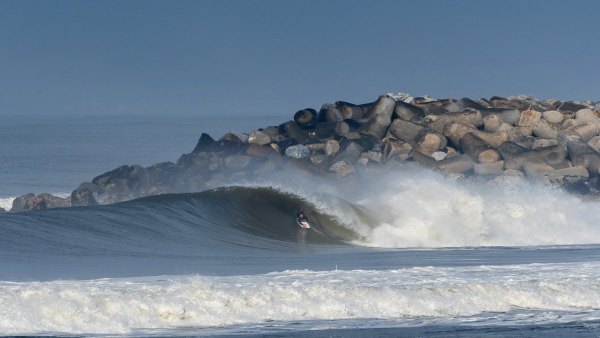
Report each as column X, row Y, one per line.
column 488, row 294
column 403, row 210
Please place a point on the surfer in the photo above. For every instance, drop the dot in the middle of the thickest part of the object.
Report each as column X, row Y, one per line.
column 301, row 219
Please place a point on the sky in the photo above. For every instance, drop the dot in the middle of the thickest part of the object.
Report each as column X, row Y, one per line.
column 264, row 58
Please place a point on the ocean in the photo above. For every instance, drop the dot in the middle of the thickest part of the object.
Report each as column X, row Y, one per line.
column 403, row 252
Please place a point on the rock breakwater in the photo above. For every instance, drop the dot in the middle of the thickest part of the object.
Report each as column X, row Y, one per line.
column 551, row 141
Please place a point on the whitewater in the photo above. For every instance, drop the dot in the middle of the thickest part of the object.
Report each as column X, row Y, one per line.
column 403, row 252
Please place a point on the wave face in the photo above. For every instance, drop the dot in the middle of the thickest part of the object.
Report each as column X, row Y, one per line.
column 261, row 218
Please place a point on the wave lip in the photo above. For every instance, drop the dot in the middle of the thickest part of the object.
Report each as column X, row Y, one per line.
column 454, row 295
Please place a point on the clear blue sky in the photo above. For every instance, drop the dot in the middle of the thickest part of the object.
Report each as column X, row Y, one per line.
column 275, row 57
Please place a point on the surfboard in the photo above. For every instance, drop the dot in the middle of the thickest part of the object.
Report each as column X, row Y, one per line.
column 303, row 224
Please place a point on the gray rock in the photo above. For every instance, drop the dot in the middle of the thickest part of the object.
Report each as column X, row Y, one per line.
column 594, row 142
column 18, row 203
column 259, row 137
column 587, row 131
column 306, row 118
column 298, row 151
column 492, row 122
column 405, row 131
column 544, row 130
column 396, row 149
column 408, row 112
column 542, row 143
column 331, row 147
column 570, row 175
column 553, row 116
column 586, row 115
column 350, row 153
column 83, row 197
column 529, row 118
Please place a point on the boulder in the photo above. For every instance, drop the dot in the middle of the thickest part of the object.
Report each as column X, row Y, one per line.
column 396, row 149
column 460, row 164
column 543, row 143
column 384, row 106
column 292, row 131
column 83, row 197
column 43, row 201
column 537, row 170
column 439, row 155
column 586, row 115
column 553, row 116
column 257, row 150
column 205, row 144
column 507, row 115
column 327, row 130
column 259, row 138
column 594, row 142
column 492, row 122
column 273, row 132
column 568, row 106
column 329, row 113
column 19, row 203
column 456, row 131
column 377, row 126
column 306, row 118
column 405, row 131
column 353, row 111
column 529, row 118
column 466, row 117
column 408, row 112
column 494, row 139
column 472, row 146
column 349, row 153
column 298, row 151
column 544, row 130
column 428, row 142
column 587, row 131
column 567, row 175
column 488, row 156
column 372, row 156
column 230, row 142
column 121, row 184
column 331, row 147
column 581, row 154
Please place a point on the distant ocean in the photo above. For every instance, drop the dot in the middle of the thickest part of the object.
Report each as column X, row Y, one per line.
column 55, row 153
column 406, row 253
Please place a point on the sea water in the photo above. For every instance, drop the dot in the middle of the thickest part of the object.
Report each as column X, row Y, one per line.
column 409, row 252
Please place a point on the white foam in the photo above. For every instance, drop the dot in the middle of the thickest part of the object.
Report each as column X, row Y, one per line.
column 413, row 207
column 6, row 203
column 453, row 294
column 425, row 210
